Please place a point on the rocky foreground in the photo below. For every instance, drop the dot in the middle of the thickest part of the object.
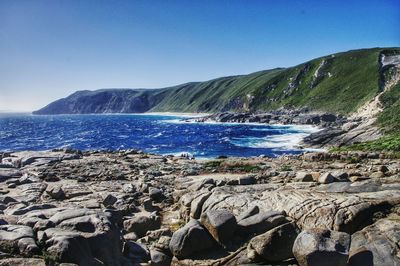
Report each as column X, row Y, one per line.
column 129, row 208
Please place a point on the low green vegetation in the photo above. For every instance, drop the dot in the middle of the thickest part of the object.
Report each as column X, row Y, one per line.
column 232, row 166
column 337, row 83
column 285, row 168
column 389, row 119
column 390, row 143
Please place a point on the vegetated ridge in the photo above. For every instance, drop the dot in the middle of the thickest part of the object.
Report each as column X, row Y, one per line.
column 341, row 83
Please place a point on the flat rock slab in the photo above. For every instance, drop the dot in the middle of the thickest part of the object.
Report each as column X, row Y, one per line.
column 309, row 208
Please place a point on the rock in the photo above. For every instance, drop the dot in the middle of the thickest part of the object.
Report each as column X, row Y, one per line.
column 148, row 205
column 156, row 194
column 56, row 192
column 309, row 207
column 361, row 257
column 383, row 169
column 136, row 252
column 381, row 239
column 141, row 224
column 322, row 247
column 304, row 177
column 22, row 262
column 326, row 178
column 190, row 239
column 18, row 239
column 23, row 209
column 109, row 200
column 159, row 258
column 247, row 180
column 221, row 224
column 197, row 204
column 7, row 173
column 275, row 245
column 377, row 175
column 260, row 223
column 82, row 236
column 341, row 176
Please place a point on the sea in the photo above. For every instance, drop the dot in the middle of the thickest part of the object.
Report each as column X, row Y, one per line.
column 151, row 133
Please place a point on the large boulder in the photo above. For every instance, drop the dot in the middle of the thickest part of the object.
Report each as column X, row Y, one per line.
column 141, row 224
column 136, row 253
column 274, row 245
column 381, row 239
column 82, row 236
column 190, row 239
column 322, row 247
column 221, row 224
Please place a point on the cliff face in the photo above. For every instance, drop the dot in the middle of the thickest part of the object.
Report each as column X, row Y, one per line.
column 339, row 83
column 103, row 101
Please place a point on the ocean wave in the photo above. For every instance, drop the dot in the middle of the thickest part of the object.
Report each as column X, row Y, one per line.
column 285, row 141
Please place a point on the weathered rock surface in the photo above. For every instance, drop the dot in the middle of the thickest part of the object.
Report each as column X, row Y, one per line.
column 380, row 242
column 127, row 208
column 190, row 239
column 322, row 247
column 275, row 245
column 221, row 224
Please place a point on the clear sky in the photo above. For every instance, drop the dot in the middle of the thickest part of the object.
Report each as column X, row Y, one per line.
column 51, row 48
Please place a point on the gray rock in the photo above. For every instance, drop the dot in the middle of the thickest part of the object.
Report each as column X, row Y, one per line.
column 326, row 178
column 190, row 239
column 159, row 258
column 247, row 180
column 56, row 192
column 140, row 225
column 136, row 252
column 361, row 257
column 304, row 177
column 322, row 247
column 275, row 245
column 156, row 194
column 22, row 262
column 82, row 237
column 221, row 224
column 7, row 173
column 23, row 209
column 109, row 200
column 197, row 204
column 260, row 223
column 382, row 239
column 17, row 239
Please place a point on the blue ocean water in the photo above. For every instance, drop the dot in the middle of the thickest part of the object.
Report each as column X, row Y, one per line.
column 158, row 134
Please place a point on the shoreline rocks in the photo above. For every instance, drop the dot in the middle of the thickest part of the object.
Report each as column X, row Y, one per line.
column 130, row 208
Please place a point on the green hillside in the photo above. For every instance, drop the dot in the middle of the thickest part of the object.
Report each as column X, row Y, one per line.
column 337, row 83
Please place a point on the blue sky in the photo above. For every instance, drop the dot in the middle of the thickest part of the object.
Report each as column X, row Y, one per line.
column 49, row 49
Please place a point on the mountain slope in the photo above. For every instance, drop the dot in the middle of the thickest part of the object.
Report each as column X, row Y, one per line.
column 339, row 83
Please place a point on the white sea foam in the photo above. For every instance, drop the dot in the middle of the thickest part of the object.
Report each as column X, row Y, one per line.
column 278, row 142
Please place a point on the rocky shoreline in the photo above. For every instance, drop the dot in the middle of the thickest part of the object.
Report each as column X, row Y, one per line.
column 336, row 130
column 130, row 208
